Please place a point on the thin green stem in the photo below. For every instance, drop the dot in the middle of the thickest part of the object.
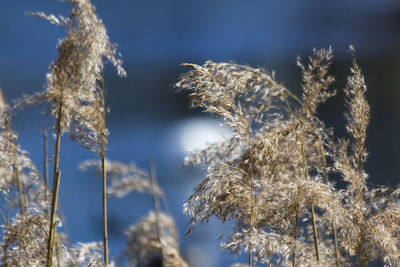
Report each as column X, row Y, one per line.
column 103, row 164
column 105, row 235
column 56, row 185
column 45, row 161
column 53, row 220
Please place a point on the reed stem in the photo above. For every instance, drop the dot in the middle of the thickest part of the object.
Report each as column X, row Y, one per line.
column 315, row 232
column 45, row 161
column 253, row 215
column 53, row 220
column 335, row 243
column 19, row 186
column 56, row 185
column 326, row 180
column 105, row 235
column 104, row 171
column 296, row 229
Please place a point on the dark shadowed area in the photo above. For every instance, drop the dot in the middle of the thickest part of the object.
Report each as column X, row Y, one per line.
column 149, row 120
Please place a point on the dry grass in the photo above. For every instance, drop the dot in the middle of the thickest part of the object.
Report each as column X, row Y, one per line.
column 75, row 95
column 272, row 177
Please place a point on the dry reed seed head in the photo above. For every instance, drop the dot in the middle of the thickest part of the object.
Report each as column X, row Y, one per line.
column 381, row 228
column 238, row 94
column 350, row 162
column 75, row 78
column 172, row 258
column 347, row 165
column 85, row 254
column 114, row 168
column 382, row 235
column 267, row 245
column 144, row 242
column 371, row 227
column 281, row 165
column 358, row 115
column 382, row 196
column 124, row 178
column 24, row 239
column 316, row 80
column 56, row 20
column 15, row 164
column 264, row 245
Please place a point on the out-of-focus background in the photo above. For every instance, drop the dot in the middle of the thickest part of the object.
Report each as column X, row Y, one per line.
column 149, row 120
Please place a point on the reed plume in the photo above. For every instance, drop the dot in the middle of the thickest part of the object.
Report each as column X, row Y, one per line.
column 272, row 177
column 144, row 242
column 24, row 238
column 76, row 93
column 371, row 225
column 154, row 235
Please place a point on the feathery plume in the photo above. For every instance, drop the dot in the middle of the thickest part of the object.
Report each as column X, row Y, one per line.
column 144, row 242
column 76, row 93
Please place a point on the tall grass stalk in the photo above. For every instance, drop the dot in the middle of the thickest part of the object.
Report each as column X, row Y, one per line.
column 296, row 233
column 314, row 224
column 105, row 231
column 56, row 185
column 53, row 229
column 45, row 159
column 253, row 214
column 326, row 180
column 104, row 167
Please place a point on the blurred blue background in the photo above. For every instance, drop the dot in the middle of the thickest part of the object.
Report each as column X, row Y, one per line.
column 149, row 120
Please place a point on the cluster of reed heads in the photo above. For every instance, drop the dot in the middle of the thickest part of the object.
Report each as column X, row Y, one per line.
column 273, row 177
column 74, row 96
